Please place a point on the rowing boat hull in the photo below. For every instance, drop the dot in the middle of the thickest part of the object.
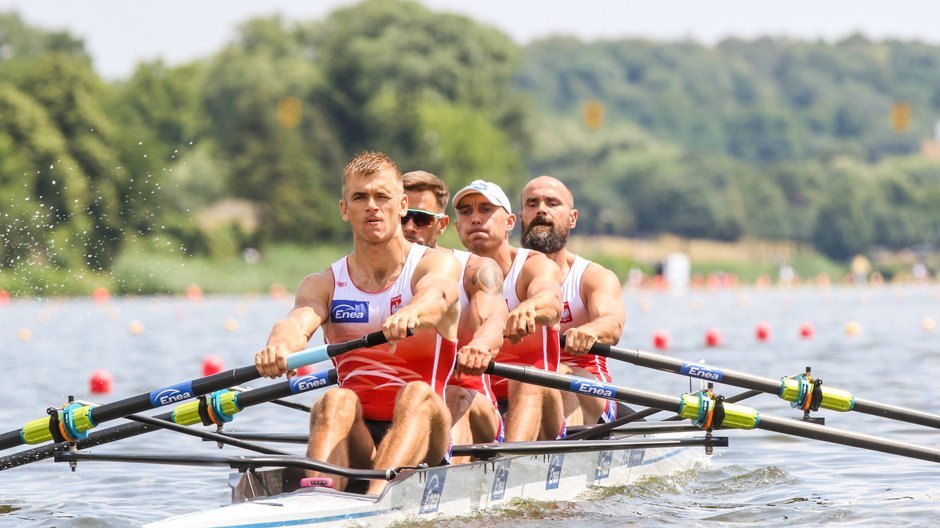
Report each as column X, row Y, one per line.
column 453, row 490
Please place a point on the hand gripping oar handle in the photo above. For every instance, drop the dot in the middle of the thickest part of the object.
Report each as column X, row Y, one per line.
column 797, row 390
column 698, row 406
column 73, row 422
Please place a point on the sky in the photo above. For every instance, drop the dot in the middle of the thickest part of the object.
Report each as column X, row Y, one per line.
column 121, row 33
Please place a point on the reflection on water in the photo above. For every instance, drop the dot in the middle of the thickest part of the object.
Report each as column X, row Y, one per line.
column 762, row 477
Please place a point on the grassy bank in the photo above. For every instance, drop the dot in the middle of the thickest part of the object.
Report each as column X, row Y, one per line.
column 144, row 270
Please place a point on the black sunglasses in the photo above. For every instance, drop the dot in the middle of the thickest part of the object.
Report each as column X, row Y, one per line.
column 421, row 218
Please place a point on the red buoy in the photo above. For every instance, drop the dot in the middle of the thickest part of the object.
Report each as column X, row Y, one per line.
column 661, row 340
column 305, row 370
column 712, row 337
column 212, row 365
column 194, row 292
column 100, row 295
column 100, row 382
column 763, row 331
column 807, row 331
column 4, row 297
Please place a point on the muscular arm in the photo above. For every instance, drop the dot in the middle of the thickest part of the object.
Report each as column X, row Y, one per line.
column 601, row 291
column 435, row 300
column 541, row 280
column 483, row 281
column 294, row 331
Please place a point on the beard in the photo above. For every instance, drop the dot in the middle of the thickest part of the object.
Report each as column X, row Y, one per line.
column 543, row 236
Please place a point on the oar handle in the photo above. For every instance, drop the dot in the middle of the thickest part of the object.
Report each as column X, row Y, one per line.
column 323, row 352
column 77, row 420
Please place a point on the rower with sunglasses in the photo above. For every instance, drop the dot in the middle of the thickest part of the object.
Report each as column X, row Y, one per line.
column 532, row 291
column 483, row 315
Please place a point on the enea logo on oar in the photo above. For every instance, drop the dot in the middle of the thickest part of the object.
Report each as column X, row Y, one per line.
column 309, row 382
column 172, row 394
column 342, row 311
column 695, row 370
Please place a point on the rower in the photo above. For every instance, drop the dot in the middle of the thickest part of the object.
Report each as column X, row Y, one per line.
column 483, row 315
column 388, row 410
column 532, row 292
column 593, row 309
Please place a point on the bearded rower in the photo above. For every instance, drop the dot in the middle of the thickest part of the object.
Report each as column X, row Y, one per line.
column 389, row 409
column 591, row 294
column 532, row 292
column 483, row 315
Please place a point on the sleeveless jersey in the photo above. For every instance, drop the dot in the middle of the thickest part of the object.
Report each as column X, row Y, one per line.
column 375, row 374
column 539, row 349
column 575, row 314
column 481, row 383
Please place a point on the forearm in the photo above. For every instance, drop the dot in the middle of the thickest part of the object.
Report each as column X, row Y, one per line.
column 287, row 332
column 607, row 328
column 429, row 307
column 547, row 306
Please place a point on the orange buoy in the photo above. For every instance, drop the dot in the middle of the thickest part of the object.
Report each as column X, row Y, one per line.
column 25, row 334
column 807, row 331
column 4, row 297
column 231, row 325
column 194, row 292
column 278, row 291
column 763, row 331
column 852, row 328
column 212, row 365
column 712, row 337
column 100, row 295
column 136, row 327
column 661, row 339
column 928, row 324
column 305, row 370
column 100, row 382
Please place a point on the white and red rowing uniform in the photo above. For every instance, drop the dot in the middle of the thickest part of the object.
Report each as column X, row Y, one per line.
column 375, row 374
column 574, row 314
column 539, row 349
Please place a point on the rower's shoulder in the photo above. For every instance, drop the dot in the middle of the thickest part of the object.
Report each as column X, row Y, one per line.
column 439, row 260
column 539, row 264
column 316, row 286
column 596, row 276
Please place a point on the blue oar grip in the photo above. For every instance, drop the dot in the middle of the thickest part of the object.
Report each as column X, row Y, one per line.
column 307, row 357
column 323, row 352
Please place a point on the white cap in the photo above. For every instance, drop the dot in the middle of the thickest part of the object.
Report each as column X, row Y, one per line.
column 489, row 190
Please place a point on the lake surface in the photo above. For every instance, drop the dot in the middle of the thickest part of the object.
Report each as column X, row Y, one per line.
column 50, row 348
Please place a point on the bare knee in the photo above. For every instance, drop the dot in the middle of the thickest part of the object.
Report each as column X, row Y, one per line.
column 337, row 404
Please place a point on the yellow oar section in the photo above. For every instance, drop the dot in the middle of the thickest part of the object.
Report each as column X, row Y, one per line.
column 708, row 411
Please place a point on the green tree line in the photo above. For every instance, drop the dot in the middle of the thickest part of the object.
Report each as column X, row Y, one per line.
column 767, row 138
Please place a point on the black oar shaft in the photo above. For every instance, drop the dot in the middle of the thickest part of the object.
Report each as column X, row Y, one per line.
column 39, row 431
column 747, row 416
column 246, row 399
column 841, row 436
column 749, row 381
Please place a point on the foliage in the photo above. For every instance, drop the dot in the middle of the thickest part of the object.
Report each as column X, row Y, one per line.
column 767, row 138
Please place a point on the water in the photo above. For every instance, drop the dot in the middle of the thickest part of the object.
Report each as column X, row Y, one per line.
column 761, row 478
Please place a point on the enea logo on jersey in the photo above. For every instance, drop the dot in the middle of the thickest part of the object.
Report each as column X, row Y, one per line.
column 566, row 314
column 395, row 304
column 342, row 311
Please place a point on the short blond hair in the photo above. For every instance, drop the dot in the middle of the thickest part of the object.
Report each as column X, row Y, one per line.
column 368, row 163
column 420, row 181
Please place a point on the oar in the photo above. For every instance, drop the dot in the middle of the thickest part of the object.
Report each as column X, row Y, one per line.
column 183, row 414
column 72, row 422
column 802, row 391
column 709, row 412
